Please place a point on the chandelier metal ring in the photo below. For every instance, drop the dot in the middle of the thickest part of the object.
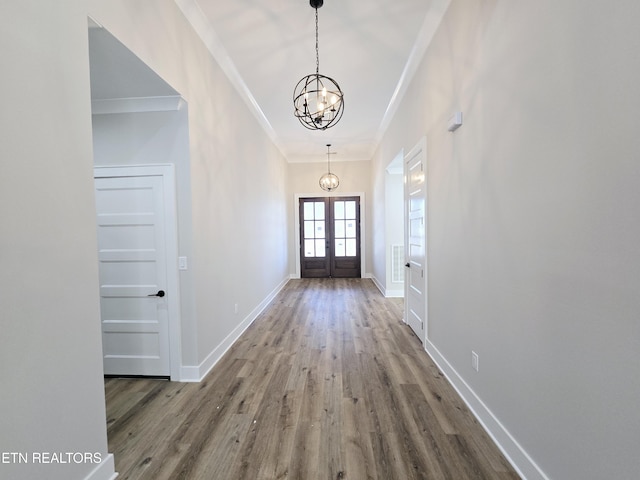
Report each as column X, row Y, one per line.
column 318, row 101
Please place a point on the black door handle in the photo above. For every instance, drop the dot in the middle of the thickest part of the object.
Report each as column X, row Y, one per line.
column 407, row 265
column 159, row 294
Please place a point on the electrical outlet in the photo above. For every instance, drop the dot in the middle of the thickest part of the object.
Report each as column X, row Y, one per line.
column 235, row 308
column 475, row 361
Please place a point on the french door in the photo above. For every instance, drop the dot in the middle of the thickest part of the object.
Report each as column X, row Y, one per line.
column 330, row 237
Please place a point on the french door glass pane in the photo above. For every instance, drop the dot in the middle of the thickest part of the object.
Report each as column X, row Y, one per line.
column 314, row 229
column 309, row 248
column 344, row 213
column 350, row 210
column 309, row 229
column 351, row 247
column 350, row 231
column 342, row 233
column 308, row 211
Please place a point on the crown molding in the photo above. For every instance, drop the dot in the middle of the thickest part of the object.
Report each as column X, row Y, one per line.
column 429, row 27
column 198, row 20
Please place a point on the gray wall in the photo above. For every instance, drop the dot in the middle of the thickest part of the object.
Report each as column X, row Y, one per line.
column 52, row 393
column 533, row 226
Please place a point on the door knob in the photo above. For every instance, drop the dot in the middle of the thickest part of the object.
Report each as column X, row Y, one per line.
column 159, row 294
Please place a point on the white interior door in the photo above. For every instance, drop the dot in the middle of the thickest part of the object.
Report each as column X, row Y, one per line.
column 133, row 275
column 415, row 240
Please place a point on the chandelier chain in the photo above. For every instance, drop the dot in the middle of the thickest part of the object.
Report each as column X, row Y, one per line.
column 317, row 49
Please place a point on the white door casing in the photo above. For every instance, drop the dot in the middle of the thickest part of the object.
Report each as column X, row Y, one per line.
column 415, row 173
column 137, row 253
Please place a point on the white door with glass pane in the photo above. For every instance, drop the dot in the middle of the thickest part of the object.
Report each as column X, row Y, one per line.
column 330, row 237
column 133, row 275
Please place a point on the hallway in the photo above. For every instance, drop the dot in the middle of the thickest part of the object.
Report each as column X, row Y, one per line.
column 327, row 383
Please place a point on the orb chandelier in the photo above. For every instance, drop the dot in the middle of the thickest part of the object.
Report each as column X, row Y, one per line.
column 329, row 181
column 317, row 99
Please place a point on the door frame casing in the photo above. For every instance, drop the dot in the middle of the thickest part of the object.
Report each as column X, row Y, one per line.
column 168, row 175
column 363, row 229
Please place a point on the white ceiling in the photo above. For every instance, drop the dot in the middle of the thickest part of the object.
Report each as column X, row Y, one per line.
column 371, row 48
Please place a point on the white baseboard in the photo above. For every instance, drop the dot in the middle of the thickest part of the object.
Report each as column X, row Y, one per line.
column 196, row 373
column 511, row 449
column 105, row 471
column 189, row 373
column 394, row 293
column 387, row 292
column 376, row 282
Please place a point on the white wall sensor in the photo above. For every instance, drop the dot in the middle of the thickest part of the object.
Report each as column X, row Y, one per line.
column 455, row 121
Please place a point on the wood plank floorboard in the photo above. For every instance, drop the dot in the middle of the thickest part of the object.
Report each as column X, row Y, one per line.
column 328, row 383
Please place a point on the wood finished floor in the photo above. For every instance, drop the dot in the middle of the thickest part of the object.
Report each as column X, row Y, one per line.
column 328, row 383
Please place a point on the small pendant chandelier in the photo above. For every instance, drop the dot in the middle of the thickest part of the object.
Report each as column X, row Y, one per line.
column 329, row 181
column 317, row 99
